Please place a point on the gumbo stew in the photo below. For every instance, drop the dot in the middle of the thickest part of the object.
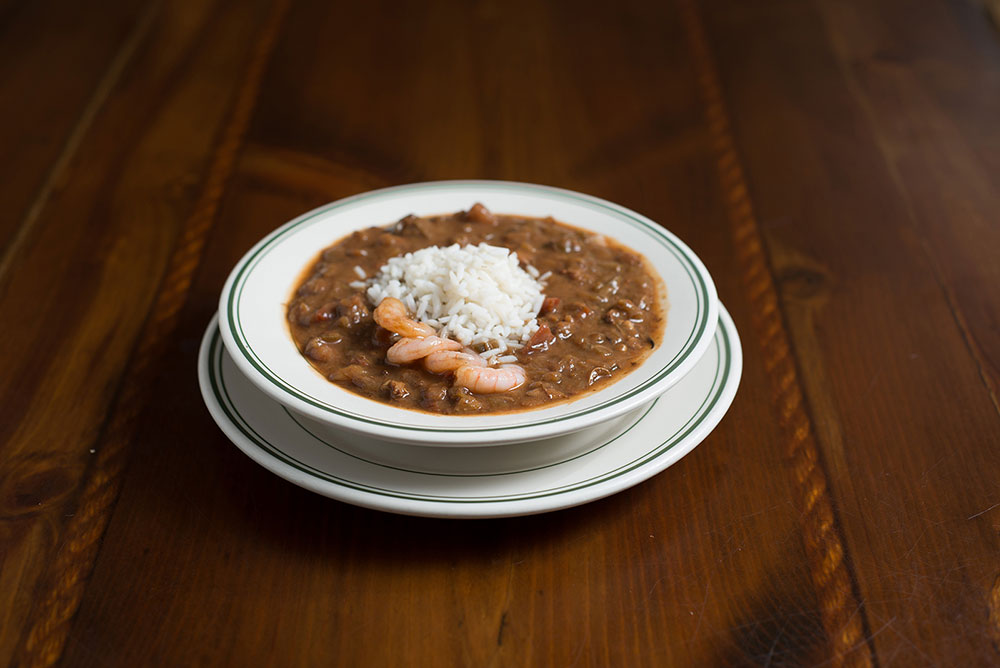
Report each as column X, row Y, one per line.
column 601, row 316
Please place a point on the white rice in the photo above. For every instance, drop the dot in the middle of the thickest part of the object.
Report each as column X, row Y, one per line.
column 473, row 294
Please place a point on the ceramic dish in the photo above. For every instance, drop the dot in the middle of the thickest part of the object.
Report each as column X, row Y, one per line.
column 473, row 482
column 253, row 325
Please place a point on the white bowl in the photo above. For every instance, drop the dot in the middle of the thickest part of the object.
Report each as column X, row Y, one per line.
column 254, row 301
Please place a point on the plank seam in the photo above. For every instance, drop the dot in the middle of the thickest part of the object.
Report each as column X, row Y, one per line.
column 841, row 611
column 112, row 75
column 951, row 299
column 43, row 642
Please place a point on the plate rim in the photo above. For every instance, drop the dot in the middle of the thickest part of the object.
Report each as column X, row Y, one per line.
column 653, row 461
column 707, row 308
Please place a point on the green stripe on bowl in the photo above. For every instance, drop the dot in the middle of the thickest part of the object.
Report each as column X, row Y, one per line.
column 700, row 325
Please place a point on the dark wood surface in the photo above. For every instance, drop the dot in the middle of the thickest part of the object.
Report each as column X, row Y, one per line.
column 834, row 163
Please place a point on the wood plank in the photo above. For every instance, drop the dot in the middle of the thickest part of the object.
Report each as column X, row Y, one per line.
column 934, row 98
column 56, row 60
column 905, row 419
column 695, row 566
column 90, row 271
column 241, row 545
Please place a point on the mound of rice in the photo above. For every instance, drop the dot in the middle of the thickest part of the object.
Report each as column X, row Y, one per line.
column 473, row 294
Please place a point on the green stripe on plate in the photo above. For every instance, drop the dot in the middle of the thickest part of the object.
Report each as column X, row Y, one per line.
column 217, row 382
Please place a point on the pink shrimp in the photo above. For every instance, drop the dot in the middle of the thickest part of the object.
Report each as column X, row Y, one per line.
column 409, row 350
column 443, row 361
column 392, row 315
column 489, row 379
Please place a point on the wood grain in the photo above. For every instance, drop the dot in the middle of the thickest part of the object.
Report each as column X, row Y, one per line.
column 63, row 584
column 56, row 63
column 832, row 164
column 936, row 140
column 890, row 362
column 844, row 618
column 535, row 591
column 87, row 287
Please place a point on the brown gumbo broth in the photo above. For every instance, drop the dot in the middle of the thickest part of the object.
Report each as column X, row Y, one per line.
column 601, row 317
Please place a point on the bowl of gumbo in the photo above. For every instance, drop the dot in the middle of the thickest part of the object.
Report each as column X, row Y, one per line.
column 467, row 313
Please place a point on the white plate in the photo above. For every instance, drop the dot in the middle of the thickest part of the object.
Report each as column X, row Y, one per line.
column 253, row 303
column 501, row 481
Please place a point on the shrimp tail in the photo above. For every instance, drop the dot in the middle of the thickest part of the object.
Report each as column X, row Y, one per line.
column 409, row 350
column 391, row 314
column 490, row 380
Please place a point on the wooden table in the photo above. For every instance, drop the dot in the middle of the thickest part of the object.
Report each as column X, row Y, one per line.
column 834, row 162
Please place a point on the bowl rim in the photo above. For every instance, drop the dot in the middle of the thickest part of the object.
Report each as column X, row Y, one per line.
column 382, row 426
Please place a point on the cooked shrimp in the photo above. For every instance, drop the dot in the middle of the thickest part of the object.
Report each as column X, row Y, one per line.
column 488, row 379
column 409, row 350
column 392, row 315
column 443, row 361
